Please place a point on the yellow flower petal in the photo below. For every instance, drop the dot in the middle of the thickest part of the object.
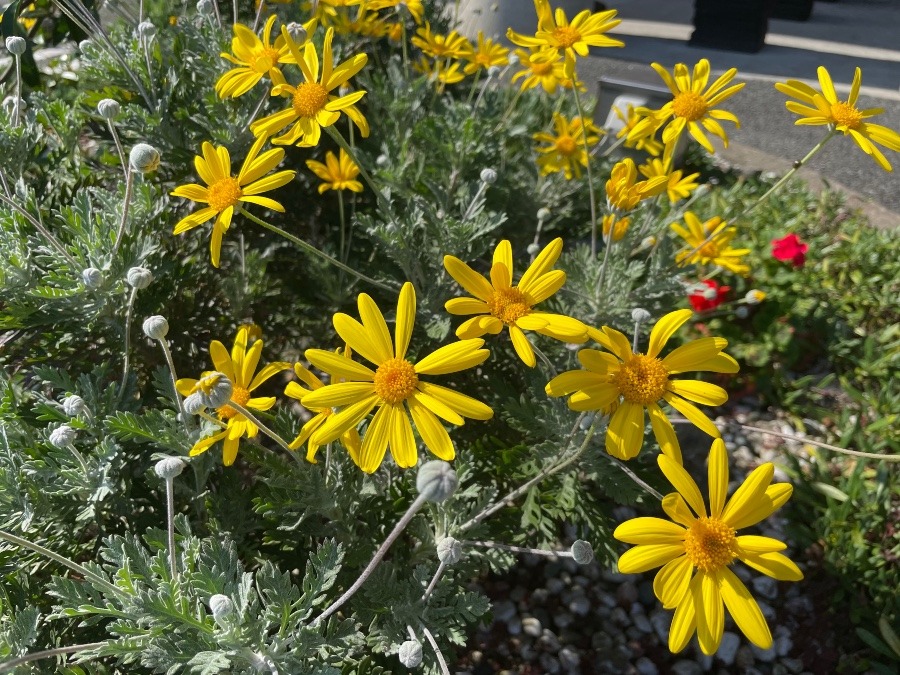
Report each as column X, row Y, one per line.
column 522, row 346
column 743, row 609
column 699, row 392
column 664, row 433
column 472, row 282
column 221, row 359
column 647, row 557
column 626, row 431
column 570, row 381
column 681, row 480
column 677, row 509
column 649, row 531
column 375, row 327
column 665, row 328
column 375, row 442
column 688, row 356
column 452, row 358
column 356, row 336
column 338, row 394
column 718, row 477
column 775, row 497
column 402, row 443
column 462, row 404
column 710, row 613
column 268, row 371
column 431, row 430
column 465, row 306
column 672, row 581
column 693, row 414
column 749, row 494
column 684, row 622
column 542, row 264
column 406, row 317
column 751, row 543
column 773, row 564
column 343, row 420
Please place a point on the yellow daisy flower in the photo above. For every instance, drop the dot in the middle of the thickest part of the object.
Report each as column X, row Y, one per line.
column 624, row 191
column 327, row 11
column 337, row 174
column 415, row 7
column 312, row 104
column 716, row 250
column 255, row 58
column 227, row 194
column 645, row 143
column 239, row 366
column 497, row 303
column 554, row 31
column 710, row 544
column 691, row 108
column 618, row 226
column 364, row 23
column 395, row 381
column 678, row 186
column 450, row 46
column 486, row 54
column 440, row 71
column 821, row 108
column 566, row 152
column 639, row 381
column 540, row 68
column 350, row 438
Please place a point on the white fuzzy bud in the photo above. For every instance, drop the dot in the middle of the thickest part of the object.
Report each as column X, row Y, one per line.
column 205, row 8
column 449, row 550
column 754, row 296
column 587, row 420
column 709, row 293
column 108, row 108
column 381, row 160
column 493, row 72
column 488, row 176
column 156, row 327
column 169, row 467
column 139, row 277
column 543, row 213
column 639, row 315
column 742, row 312
column 16, row 45
column 297, row 32
column 92, row 277
column 582, row 553
column 513, row 59
column 144, row 158
column 62, row 436
column 220, row 606
column 533, row 249
column 73, row 405
column 410, row 653
column 648, row 242
column 146, row 30
column 214, row 390
column 193, row 404
column 436, row 481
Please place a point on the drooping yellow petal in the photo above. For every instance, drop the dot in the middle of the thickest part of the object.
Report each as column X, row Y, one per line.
column 626, row 431
column 693, row 413
column 346, row 419
column 672, row 581
column 268, row 371
column 665, row 328
column 338, row 394
column 710, row 613
column 462, row 404
column 684, row 621
column 522, row 346
column 751, row 543
column 775, row 497
column 664, row 433
column 699, row 392
column 677, row 509
column 375, row 442
column 570, row 381
column 433, row 434
column 688, row 356
column 402, row 443
column 338, row 365
column 452, row 358
column 743, row 609
column 773, row 564
column 681, row 480
column 748, row 495
column 472, row 282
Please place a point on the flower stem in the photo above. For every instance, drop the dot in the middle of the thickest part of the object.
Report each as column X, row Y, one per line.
column 17, row 103
column 342, row 249
column 129, row 312
column 437, row 652
column 590, row 176
column 262, row 427
column 826, row 446
column 376, row 559
column 434, row 580
column 309, row 248
column 48, row 653
column 170, row 523
column 339, row 139
column 129, row 188
column 519, row 549
column 119, row 148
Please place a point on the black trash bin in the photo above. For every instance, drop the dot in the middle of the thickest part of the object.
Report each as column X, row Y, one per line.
column 735, row 25
column 793, row 10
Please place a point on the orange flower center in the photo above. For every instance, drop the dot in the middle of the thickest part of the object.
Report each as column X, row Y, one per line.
column 483, row 59
column 689, row 105
column 309, row 99
column 266, row 59
column 709, row 250
column 566, row 145
column 566, row 36
column 642, row 380
column 240, row 396
column 846, row 115
column 541, row 68
column 710, row 544
column 223, row 193
column 395, row 380
column 508, row 305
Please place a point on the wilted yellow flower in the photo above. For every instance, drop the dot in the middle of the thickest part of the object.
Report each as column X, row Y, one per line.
column 678, row 186
column 566, row 151
column 821, row 108
column 312, row 104
column 708, row 243
column 624, row 191
column 337, row 174
column 450, row 46
column 710, row 544
column 227, row 194
column 487, row 53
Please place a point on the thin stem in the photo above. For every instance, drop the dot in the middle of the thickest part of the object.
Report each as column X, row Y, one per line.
column 434, row 580
column 590, row 175
column 74, row 566
column 437, row 652
column 145, row 47
column 611, row 149
column 259, row 11
column 608, row 247
column 119, row 149
column 128, row 317
column 170, row 523
column 17, row 103
column 234, row 8
column 376, row 559
column 519, row 549
column 49, row 653
column 403, row 43
column 342, row 249
column 210, row 418
column 262, row 427
column 339, row 139
column 473, row 88
column 215, row 4
column 633, row 476
column 484, row 87
column 827, row 446
column 43, row 230
column 309, row 248
column 509, row 109
column 522, row 489
column 471, row 207
column 129, row 189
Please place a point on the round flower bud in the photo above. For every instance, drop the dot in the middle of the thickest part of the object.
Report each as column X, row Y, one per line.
column 146, row 30
column 220, row 606
column 648, row 242
column 582, row 553
column 169, row 467
column 543, row 213
column 144, row 158
column 709, row 293
column 449, row 550
column 139, row 277
column 214, row 390
column 381, row 160
column 513, row 59
column 73, row 405
column 62, row 436
column 755, row 296
column 488, row 176
column 436, row 481
column 108, row 108
column 16, row 45
column 92, row 277
column 533, row 249
column 297, row 32
column 410, row 653
column 193, row 404
column 156, row 327
column 639, row 315
column 587, row 420
column 205, row 8
column 493, row 71
column 742, row 312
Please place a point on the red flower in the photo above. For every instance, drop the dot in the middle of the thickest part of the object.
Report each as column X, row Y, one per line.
column 710, row 297
column 790, row 248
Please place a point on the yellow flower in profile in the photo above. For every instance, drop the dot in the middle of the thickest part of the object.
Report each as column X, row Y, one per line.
column 825, row 108
column 328, row 11
column 440, row 71
column 709, row 243
column 450, row 46
column 394, row 382
column 255, row 58
column 554, row 31
column 497, row 303
column 364, row 23
column 646, row 142
column 312, row 104
column 618, row 227
column 641, row 381
column 691, row 107
column 239, row 366
column 708, row 542
column 487, row 53
column 540, row 68
column 566, row 151
column 624, row 191
column 678, row 186
column 337, row 174
column 227, row 194
column 350, row 439
column 414, row 7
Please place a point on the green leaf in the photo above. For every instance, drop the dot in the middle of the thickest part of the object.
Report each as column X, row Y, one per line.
column 830, row 491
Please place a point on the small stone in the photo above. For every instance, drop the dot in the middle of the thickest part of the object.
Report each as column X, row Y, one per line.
column 619, row 617
column 549, row 641
column 766, row 587
column 549, row 664
column 800, row 605
column 555, row 586
column 767, row 611
column 793, row 665
column 569, row 659
column 764, row 655
column 504, row 610
column 608, row 600
column 685, row 667
column 744, row 658
column 661, row 622
column 531, row 626
column 705, row 661
column 539, row 596
column 627, row 594
column 580, row 605
column 645, row 666
column 563, row 620
column 782, row 645
column 514, row 626
column 642, row 623
column 728, row 648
